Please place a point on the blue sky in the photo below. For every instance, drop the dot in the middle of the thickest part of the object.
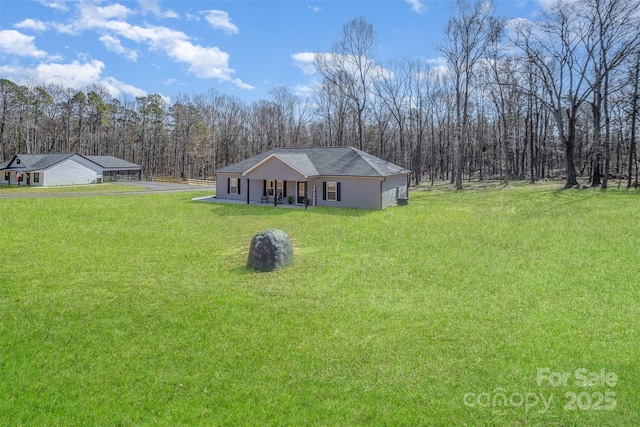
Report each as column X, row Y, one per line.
column 243, row 48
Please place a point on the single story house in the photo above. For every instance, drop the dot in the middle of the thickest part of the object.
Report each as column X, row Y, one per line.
column 320, row 176
column 48, row 170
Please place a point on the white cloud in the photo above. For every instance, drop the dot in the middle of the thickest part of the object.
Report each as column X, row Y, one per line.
column 64, row 28
column 315, row 9
column 147, row 6
column 241, row 84
column 220, row 20
column 74, row 75
column 204, row 62
column 417, row 6
column 113, row 44
column 438, row 65
column 116, row 88
column 306, row 91
column 153, row 6
column 92, row 15
column 116, row 11
column 15, row 43
column 170, row 14
column 305, row 61
column 54, row 4
column 31, row 24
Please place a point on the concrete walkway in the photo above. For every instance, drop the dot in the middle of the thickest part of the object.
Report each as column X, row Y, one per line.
column 213, row 199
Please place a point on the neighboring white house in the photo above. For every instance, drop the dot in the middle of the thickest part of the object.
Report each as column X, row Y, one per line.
column 49, row 170
column 323, row 176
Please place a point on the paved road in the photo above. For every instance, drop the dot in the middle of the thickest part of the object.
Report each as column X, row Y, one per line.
column 142, row 187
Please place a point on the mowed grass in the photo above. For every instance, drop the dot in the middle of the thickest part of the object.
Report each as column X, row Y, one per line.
column 108, row 187
column 138, row 310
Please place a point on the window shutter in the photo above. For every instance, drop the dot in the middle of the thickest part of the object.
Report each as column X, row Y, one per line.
column 264, row 187
column 239, row 185
column 228, row 185
column 324, row 190
column 284, row 189
column 338, row 191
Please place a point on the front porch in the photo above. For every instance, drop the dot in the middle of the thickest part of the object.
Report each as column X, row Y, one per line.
column 214, row 199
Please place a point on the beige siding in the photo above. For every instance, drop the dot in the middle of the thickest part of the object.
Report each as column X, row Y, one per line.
column 222, row 192
column 355, row 192
column 275, row 168
column 392, row 187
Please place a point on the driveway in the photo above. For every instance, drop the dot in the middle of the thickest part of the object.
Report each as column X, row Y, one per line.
column 140, row 187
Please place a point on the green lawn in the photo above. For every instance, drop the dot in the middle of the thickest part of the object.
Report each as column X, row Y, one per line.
column 11, row 190
column 137, row 310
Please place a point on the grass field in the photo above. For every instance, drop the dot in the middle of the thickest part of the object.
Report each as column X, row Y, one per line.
column 138, row 310
column 12, row 190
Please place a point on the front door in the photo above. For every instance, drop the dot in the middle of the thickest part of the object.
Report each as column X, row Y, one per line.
column 301, row 192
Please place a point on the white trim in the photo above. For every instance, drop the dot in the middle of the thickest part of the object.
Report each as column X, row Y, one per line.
column 235, row 187
column 269, row 158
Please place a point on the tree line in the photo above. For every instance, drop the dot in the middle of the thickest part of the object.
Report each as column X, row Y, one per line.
column 553, row 98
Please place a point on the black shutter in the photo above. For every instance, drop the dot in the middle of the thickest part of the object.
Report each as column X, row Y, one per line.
column 338, row 191
column 228, row 185
column 264, row 187
column 284, row 189
column 324, row 190
column 238, row 185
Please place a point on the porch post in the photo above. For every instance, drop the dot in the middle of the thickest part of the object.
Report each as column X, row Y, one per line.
column 248, row 190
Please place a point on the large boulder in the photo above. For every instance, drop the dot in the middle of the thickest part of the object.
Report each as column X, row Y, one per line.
column 270, row 250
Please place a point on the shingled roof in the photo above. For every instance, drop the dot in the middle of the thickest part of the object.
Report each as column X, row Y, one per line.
column 323, row 161
column 30, row 162
column 113, row 163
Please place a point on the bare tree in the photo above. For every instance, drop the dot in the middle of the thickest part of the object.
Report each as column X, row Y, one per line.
column 468, row 38
column 558, row 51
column 613, row 27
column 392, row 88
column 349, row 67
column 633, row 155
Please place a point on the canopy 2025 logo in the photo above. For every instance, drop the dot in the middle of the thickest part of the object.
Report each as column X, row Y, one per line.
column 599, row 400
column 594, row 392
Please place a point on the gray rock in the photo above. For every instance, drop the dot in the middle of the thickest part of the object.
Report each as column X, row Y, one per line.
column 270, row 250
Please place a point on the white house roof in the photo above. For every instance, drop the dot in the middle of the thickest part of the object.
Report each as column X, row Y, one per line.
column 322, row 161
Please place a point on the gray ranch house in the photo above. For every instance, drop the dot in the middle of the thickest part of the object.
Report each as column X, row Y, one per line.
column 321, row 176
column 49, row 170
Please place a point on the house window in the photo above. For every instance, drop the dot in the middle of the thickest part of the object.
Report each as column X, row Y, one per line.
column 271, row 187
column 233, row 185
column 36, row 177
column 279, row 185
column 7, row 176
column 331, row 191
column 17, row 161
